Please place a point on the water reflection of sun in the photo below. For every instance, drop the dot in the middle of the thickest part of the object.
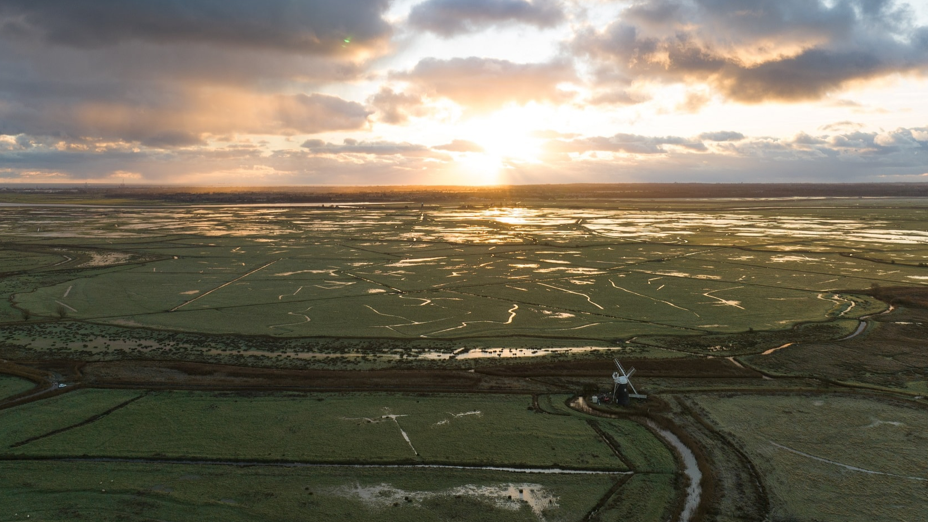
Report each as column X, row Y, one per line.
column 509, row 216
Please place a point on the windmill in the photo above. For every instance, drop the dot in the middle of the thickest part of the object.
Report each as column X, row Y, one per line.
column 621, row 378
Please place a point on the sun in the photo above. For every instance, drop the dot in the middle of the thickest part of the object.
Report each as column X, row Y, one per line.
column 511, row 145
column 480, row 169
column 506, row 139
column 507, row 134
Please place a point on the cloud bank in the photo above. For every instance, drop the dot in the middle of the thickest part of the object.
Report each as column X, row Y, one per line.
column 754, row 51
column 361, row 91
column 307, row 26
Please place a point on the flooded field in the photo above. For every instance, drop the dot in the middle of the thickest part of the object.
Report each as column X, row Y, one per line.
column 455, row 272
column 735, row 224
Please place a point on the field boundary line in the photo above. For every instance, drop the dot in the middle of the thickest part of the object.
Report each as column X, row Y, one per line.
column 84, row 422
column 845, row 466
column 299, row 464
column 262, row 267
column 610, row 441
column 605, row 498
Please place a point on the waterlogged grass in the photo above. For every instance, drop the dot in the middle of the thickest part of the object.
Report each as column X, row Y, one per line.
column 37, row 418
column 831, row 457
column 58, row 491
column 472, row 430
column 459, row 273
column 13, row 385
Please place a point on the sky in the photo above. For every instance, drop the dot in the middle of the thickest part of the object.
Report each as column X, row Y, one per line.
column 462, row 92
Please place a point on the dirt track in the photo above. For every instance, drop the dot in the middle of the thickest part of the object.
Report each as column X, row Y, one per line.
column 522, row 378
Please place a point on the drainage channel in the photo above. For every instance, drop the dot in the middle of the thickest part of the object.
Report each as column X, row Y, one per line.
column 246, row 464
column 690, row 469
column 690, row 466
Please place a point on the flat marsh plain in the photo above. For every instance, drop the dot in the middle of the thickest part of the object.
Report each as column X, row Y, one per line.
column 556, row 276
column 411, row 361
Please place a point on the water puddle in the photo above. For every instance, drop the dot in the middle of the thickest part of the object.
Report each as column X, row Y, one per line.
column 736, row 363
column 460, row 353
column 479, row 353
column 787, row 345
column 402, row 431
column 507, row 496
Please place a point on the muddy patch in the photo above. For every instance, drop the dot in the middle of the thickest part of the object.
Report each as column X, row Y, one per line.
column 505, row 496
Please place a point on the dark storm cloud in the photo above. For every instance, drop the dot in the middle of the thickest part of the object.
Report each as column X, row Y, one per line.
column 169, row 73
column 312, row 26
column 452, row 17
column 485, row 84
column 750, row 20
column 754, row 50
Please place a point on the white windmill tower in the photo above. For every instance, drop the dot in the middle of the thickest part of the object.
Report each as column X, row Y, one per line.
column 621, row 378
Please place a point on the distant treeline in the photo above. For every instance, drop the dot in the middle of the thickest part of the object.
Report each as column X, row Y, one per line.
column 509, row 194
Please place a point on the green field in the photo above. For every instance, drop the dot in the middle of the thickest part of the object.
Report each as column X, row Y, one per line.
column 13, row 385
column 643, row 498
column 647, row 454
column 249, row 456
column 467, row 430
column 44, row 491
column 831, row 457
column 38, row 418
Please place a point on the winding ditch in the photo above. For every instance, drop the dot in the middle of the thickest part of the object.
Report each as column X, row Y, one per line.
column 690, row 465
